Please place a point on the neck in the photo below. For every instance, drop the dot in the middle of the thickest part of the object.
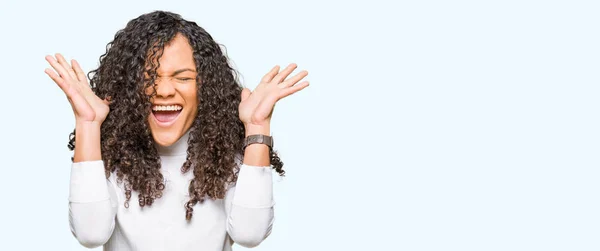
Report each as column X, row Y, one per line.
column 177, row 148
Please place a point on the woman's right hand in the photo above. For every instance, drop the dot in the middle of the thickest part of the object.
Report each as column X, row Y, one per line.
column 72, row 80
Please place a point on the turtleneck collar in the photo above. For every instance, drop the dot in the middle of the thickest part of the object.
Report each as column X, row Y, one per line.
column 178, row 148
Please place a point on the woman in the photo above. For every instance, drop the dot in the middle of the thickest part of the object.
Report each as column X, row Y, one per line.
column 165, row 121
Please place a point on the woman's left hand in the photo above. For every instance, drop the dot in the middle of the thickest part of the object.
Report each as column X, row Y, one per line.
column 256, row 107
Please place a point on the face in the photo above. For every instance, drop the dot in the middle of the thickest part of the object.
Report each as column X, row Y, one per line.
column 175, row 105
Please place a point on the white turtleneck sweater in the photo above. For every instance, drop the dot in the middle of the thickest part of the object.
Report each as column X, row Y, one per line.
column 97, row 214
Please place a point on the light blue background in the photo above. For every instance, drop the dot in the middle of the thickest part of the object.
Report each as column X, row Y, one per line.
column 428, row 125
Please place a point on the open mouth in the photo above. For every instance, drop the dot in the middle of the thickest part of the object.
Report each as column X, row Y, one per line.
column 166, row 114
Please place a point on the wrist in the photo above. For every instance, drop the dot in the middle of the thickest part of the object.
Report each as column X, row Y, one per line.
column 257, row 129
column 84, row 125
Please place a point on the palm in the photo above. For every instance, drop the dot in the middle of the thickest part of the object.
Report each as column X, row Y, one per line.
column 257, row 106
column 86, row 105
column 249, row 108
column 72, row 80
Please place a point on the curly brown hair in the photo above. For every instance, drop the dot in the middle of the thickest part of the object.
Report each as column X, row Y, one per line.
column 129, row 67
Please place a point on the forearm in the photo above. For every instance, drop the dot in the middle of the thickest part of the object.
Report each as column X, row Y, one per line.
column 87, row 143
column 257, row 154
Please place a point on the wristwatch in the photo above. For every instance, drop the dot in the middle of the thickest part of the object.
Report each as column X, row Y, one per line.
column 258, row 139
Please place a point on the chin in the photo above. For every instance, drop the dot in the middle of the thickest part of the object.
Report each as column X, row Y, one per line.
column 166, row 138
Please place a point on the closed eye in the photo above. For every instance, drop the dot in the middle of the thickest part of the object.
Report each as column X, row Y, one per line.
column 185, row 79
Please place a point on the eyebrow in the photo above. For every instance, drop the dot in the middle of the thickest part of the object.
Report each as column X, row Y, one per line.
column 182, row 70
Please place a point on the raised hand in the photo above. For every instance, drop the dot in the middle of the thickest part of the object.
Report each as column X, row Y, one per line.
column 256, row 107
column 72, row 80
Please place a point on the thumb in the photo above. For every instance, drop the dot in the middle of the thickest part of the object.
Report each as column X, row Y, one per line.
column 245, row 93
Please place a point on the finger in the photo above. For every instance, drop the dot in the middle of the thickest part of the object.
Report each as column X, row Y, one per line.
column 66, row 65
column 83, row 81
column 58, row 68
column 267, row 78
column 77, row 101
column 245, row 93
column 58, row 80
column 78, row 71
column 291, row 90
column 295, row 79
column 283, row 74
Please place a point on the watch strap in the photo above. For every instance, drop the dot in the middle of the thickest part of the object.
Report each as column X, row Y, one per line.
column 258, row 139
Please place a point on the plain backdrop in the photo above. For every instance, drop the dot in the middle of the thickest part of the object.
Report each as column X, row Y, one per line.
column 428, row 125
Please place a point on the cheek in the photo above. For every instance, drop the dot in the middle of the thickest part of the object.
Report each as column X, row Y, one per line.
column 191, row 98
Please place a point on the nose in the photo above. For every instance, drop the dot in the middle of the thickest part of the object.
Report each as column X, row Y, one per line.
column 164, row 88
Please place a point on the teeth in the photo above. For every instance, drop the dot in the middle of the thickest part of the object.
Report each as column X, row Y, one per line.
column 167, row 108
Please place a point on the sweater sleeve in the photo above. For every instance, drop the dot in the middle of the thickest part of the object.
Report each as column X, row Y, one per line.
column 249, row 206
column 92, row 204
